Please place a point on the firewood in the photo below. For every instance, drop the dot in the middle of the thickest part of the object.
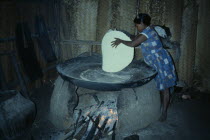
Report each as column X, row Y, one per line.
column 100, row 131
column 94, row 128
column 81, row 133
column 114, row 128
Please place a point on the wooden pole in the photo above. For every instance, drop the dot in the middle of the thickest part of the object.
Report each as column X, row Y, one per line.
column 19, row 76
column 85, row 42
column 3, row 84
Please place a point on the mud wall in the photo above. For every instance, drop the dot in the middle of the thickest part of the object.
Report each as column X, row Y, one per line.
column 202, row 61
column 188, row 41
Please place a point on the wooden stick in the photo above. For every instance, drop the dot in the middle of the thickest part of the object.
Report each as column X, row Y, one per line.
column 93, row 128
column 3, row 83
column 20, row 76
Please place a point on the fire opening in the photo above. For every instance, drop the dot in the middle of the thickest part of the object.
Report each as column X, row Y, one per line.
column 95, row 122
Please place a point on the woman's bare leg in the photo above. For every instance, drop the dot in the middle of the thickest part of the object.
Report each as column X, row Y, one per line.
column 165, row 102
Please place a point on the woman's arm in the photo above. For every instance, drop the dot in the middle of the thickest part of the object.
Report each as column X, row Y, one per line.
column 137, row 40
column 132, row 37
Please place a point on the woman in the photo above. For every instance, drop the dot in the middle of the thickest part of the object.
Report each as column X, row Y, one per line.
column 154, row 55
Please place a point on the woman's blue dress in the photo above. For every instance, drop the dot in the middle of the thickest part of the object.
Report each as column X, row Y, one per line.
column 158, row 58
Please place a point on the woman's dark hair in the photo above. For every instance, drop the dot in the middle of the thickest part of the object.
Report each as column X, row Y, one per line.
column 142, row 17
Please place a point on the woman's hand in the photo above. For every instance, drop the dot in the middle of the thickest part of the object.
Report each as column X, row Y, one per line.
column 116, row 42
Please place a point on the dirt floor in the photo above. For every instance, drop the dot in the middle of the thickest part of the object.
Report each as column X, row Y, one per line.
column 187, row 119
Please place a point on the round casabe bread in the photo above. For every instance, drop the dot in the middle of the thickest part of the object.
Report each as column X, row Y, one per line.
column 115, row 59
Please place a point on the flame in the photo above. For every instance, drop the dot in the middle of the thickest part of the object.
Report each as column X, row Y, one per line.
column 104, row 112
column 103, row 118
column 111, row 111
column 109, row 121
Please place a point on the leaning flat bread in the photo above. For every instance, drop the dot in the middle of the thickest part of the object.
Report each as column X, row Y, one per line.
column 115, row 59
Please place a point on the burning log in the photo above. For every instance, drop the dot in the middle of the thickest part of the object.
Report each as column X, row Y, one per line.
column 100, row 132
column 95, row 122
column 94, row 127
column 106, row 131
column 104, row 124
column 114, row 127
column 82, row 131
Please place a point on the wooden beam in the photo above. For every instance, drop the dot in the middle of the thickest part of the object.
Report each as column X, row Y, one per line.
column 85, row 42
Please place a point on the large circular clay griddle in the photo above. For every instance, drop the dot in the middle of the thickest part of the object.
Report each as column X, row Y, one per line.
column 86, row 71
